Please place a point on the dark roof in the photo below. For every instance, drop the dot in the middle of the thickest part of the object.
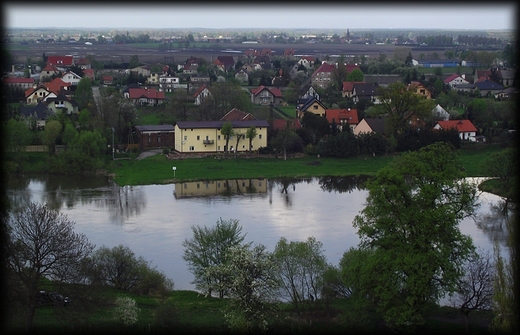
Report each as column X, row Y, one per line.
column 218, row 124
column 488, row 85
column 376, row 124
column 162, row 127
column 227, row 60
column 40, row 111
column 365, row 89
column 133, row 85
column 307, row 103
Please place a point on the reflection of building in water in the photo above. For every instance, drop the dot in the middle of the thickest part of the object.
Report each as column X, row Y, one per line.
column 220, row 187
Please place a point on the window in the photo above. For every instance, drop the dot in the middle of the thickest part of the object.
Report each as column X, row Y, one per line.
column 198, row 137
column 218, row 137
column 192, row 148
column 315, row 107
column 185, row 137
column 159, row 139
column 260, row 136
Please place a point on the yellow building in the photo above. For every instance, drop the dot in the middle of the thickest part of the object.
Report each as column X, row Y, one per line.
column 205, row 136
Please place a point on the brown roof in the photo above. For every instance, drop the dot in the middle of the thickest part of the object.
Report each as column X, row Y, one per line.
column 236, row 115
column 275, row 91
column 137, row 93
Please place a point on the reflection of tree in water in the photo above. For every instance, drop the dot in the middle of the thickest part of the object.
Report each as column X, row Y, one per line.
column 18, row 194
column 494, row 222
column 343, row 184
column 123, row 202
column 285, row 185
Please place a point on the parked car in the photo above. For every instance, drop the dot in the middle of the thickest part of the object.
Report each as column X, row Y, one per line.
column 52, row 299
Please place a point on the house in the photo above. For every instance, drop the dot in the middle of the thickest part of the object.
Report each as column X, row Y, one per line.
column 507, row 93
column 247, row 68
column 370, row 125
column 323, row 75
column 146, row 96
column 440, row 113
column 23, row 83
column 419, row 88
column 466, row 129
column 37, row 94
column 71, row 77
column 306, row 61
column 126, row 90
column 242, row 76
column 58, row 86
column 144, row 70
column 219, row 66
column 205, row 136
column 155, row 136
column 488, row 87
column 190, row 68
column 201, row 95
column 343, row 117
column 237, row 115
column 347, row 89
column 35, row 115
column 455, row 79
column 227, row 61
column 48, row 72
column 107, row 80
column 61, row 62
column 89, row 73
column 168, row 83
column 63, row 104
column 382, row 80
column 464, row 87
column 366, row 91
column 307, row 91
column 83, row 63
column 266, row 95
column 311, row 105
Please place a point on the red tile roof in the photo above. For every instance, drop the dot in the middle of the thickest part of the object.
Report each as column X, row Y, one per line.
column 280, row 124
column 275, row 91
column 137, row 93
column 56, row 85
column 325, row 67
column 199, row 91
column 60, row 60
column 237, row 115
column 348, row 86
column 450, row 78
column 462, row 126
column 350, row 115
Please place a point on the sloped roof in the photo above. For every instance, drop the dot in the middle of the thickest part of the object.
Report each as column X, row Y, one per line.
column 462, row 126
column 309, row 102
column 366, row 89
column 40, row 111
column 31, row 90
column 236, row 115
column 275, row 91
column 18, row 80
column 61, row 60
column 348, row 86
column 56, row 85
column 348, row 114
column 226, row 60
column 137, row 93
column 218, row 124
column 325, row 67
column 488, row 85
column 199, row 91
column 279, row 124
column 376, row 124
column 450, row 78
column 88, row 73
column 50, row 67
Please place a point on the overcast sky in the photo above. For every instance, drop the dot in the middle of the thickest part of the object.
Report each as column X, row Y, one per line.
column 464, row 15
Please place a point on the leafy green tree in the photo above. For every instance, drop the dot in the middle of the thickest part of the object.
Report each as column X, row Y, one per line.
column 83, row 94
column 356, row 75
column 503, row 166
column 41, row 244
column 411, row 222
column 119, row 267
column 251, row 135
column 89, row 143
column 51, row 134
column 69, row 133
column 17, row 135
column 207, row 249
column 400, row 106
column 227, row 131
column 238, row 137
column 134, row 61
column 301, row 266
column 249, row 281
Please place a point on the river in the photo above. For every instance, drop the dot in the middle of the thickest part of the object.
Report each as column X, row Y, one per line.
column 154, row 220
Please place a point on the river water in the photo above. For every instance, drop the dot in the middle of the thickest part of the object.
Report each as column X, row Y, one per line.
column 154, row 220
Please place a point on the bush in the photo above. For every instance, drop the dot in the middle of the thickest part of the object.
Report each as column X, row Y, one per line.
column 165, row 315
column 126, row 311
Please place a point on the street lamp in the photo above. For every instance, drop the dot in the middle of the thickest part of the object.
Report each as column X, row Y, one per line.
column 113, row 149
column 174, row 168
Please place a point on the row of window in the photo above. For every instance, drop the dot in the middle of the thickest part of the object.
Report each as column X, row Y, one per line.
column 218, row 137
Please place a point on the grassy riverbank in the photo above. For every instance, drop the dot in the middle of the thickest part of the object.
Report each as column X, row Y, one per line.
column 158, row 169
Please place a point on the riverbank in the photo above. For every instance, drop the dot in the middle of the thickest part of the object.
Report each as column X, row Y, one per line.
column 158, row 169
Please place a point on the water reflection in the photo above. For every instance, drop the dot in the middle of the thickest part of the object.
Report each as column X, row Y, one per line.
column 343, row 184
column 494, row 221
column 228, row 187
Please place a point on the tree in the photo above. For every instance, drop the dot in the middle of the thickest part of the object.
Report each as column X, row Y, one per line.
column 475, row 289
column 238, row 136
column 249, row 281
column 227, row 131
column 83, row 94
column 126, row 311
column 42, row 245
column 134, row 61
column 411, row 223
column 51, row 134
column 300, row 270
column 401, row 105
column 251, row 135
column 207, row 248
column 120, row 268
column 18, row 135
column 356, row 75
column 503, row 166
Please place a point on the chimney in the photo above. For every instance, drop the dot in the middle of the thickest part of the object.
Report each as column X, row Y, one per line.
column 463, row 76
column 12, row 68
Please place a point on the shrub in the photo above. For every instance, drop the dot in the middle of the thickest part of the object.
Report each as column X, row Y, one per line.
column 126, row 311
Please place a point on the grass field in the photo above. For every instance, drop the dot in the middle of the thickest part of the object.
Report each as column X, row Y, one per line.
column 158, row 169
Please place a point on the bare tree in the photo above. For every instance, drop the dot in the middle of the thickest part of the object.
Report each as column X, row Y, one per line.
column 475, row 288
column 42, row 245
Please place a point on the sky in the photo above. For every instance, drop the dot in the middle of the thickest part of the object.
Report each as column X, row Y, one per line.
column 271, row 15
